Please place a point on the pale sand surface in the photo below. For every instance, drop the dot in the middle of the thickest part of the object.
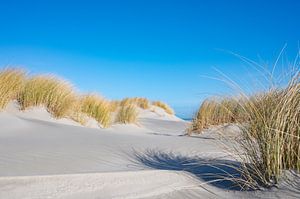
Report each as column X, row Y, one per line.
column 42, row 157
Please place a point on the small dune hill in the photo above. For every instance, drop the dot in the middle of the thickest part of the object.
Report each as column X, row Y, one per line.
column 134, row 149
column 147, row 119
column 49, row 98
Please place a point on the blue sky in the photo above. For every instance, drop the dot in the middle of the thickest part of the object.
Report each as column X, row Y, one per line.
column 156, row 49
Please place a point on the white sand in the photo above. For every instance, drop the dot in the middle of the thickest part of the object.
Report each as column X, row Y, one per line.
column 42, row 157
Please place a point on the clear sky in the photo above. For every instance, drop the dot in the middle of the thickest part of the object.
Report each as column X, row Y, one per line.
column 160, row 49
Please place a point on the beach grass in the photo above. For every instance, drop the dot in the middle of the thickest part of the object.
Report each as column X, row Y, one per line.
column 218, row 111
column 55, row 94
column 114, row 104
column 164, row 106
column 60, row 99
column 271, row 136
column 270, row 129
column 11, row 84
column 127, row 114
column 96, row 107
column 138, row 101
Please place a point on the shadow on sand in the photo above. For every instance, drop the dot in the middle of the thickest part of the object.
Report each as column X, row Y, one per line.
column 220, row 173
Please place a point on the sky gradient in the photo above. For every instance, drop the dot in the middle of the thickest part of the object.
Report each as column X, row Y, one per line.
column 163, row 50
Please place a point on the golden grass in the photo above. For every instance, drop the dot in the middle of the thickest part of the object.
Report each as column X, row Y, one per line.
column 138, row 101
column 114, row 104
column 127, row 114
column 11, row 84
column 271, row 137
column 60, row 99
column 77, row 115
column 164, row 106
column 55, row 94
column 96, row 107
column 143, row 103
column 217, row 112
column 270, row 124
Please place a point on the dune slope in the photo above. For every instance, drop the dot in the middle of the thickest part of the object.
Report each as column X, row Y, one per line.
column 45, row 158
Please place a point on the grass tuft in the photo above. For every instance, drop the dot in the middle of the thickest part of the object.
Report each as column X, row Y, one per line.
column 270, row 125
column 220, row 111
column 138, row 101
column 96, row 107
column 127, row 114
column 164, row 106
column 114, row 104
column 11, row 84
column 55, row 94
column 271, row 137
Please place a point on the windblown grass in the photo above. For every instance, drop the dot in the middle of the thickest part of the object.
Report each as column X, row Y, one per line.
column 271, row 137
column 217, row 112
column 11, row 84
column 164, row 106
column 114, row 104
column 59, row 98
column 77, row 115
column 270, row 124
column 96, row 107
column 143, row 103
column 138, row 101
column 55, row 94
column 127, row 114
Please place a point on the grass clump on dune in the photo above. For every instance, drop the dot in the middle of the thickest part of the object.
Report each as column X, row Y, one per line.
column 127, row 114
column 143, row 103
column 97, row 108
column 60, row 100
column 11, row 84
column 272, row 134
column 55, row 94
column 217, row 112
column 164, row 106
column 138, row 101
column 77, row 115
column 114, row 104
column 270, row 130
column 58, row 97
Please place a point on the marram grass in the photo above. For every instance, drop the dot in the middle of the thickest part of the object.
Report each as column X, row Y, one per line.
column 271, row 136
column 127, row 114
column 77, row 115
column 11, row 84
column 218, row 111
column 138, row 101
column 270, row 130
column 114, row 104
column 143, row 103
column 96, row 107
column 164, row 106
column 59, row 98
column 55, row 94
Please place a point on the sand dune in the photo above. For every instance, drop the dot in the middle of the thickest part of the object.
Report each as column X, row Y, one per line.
column 42, row 157
column 135, row 184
